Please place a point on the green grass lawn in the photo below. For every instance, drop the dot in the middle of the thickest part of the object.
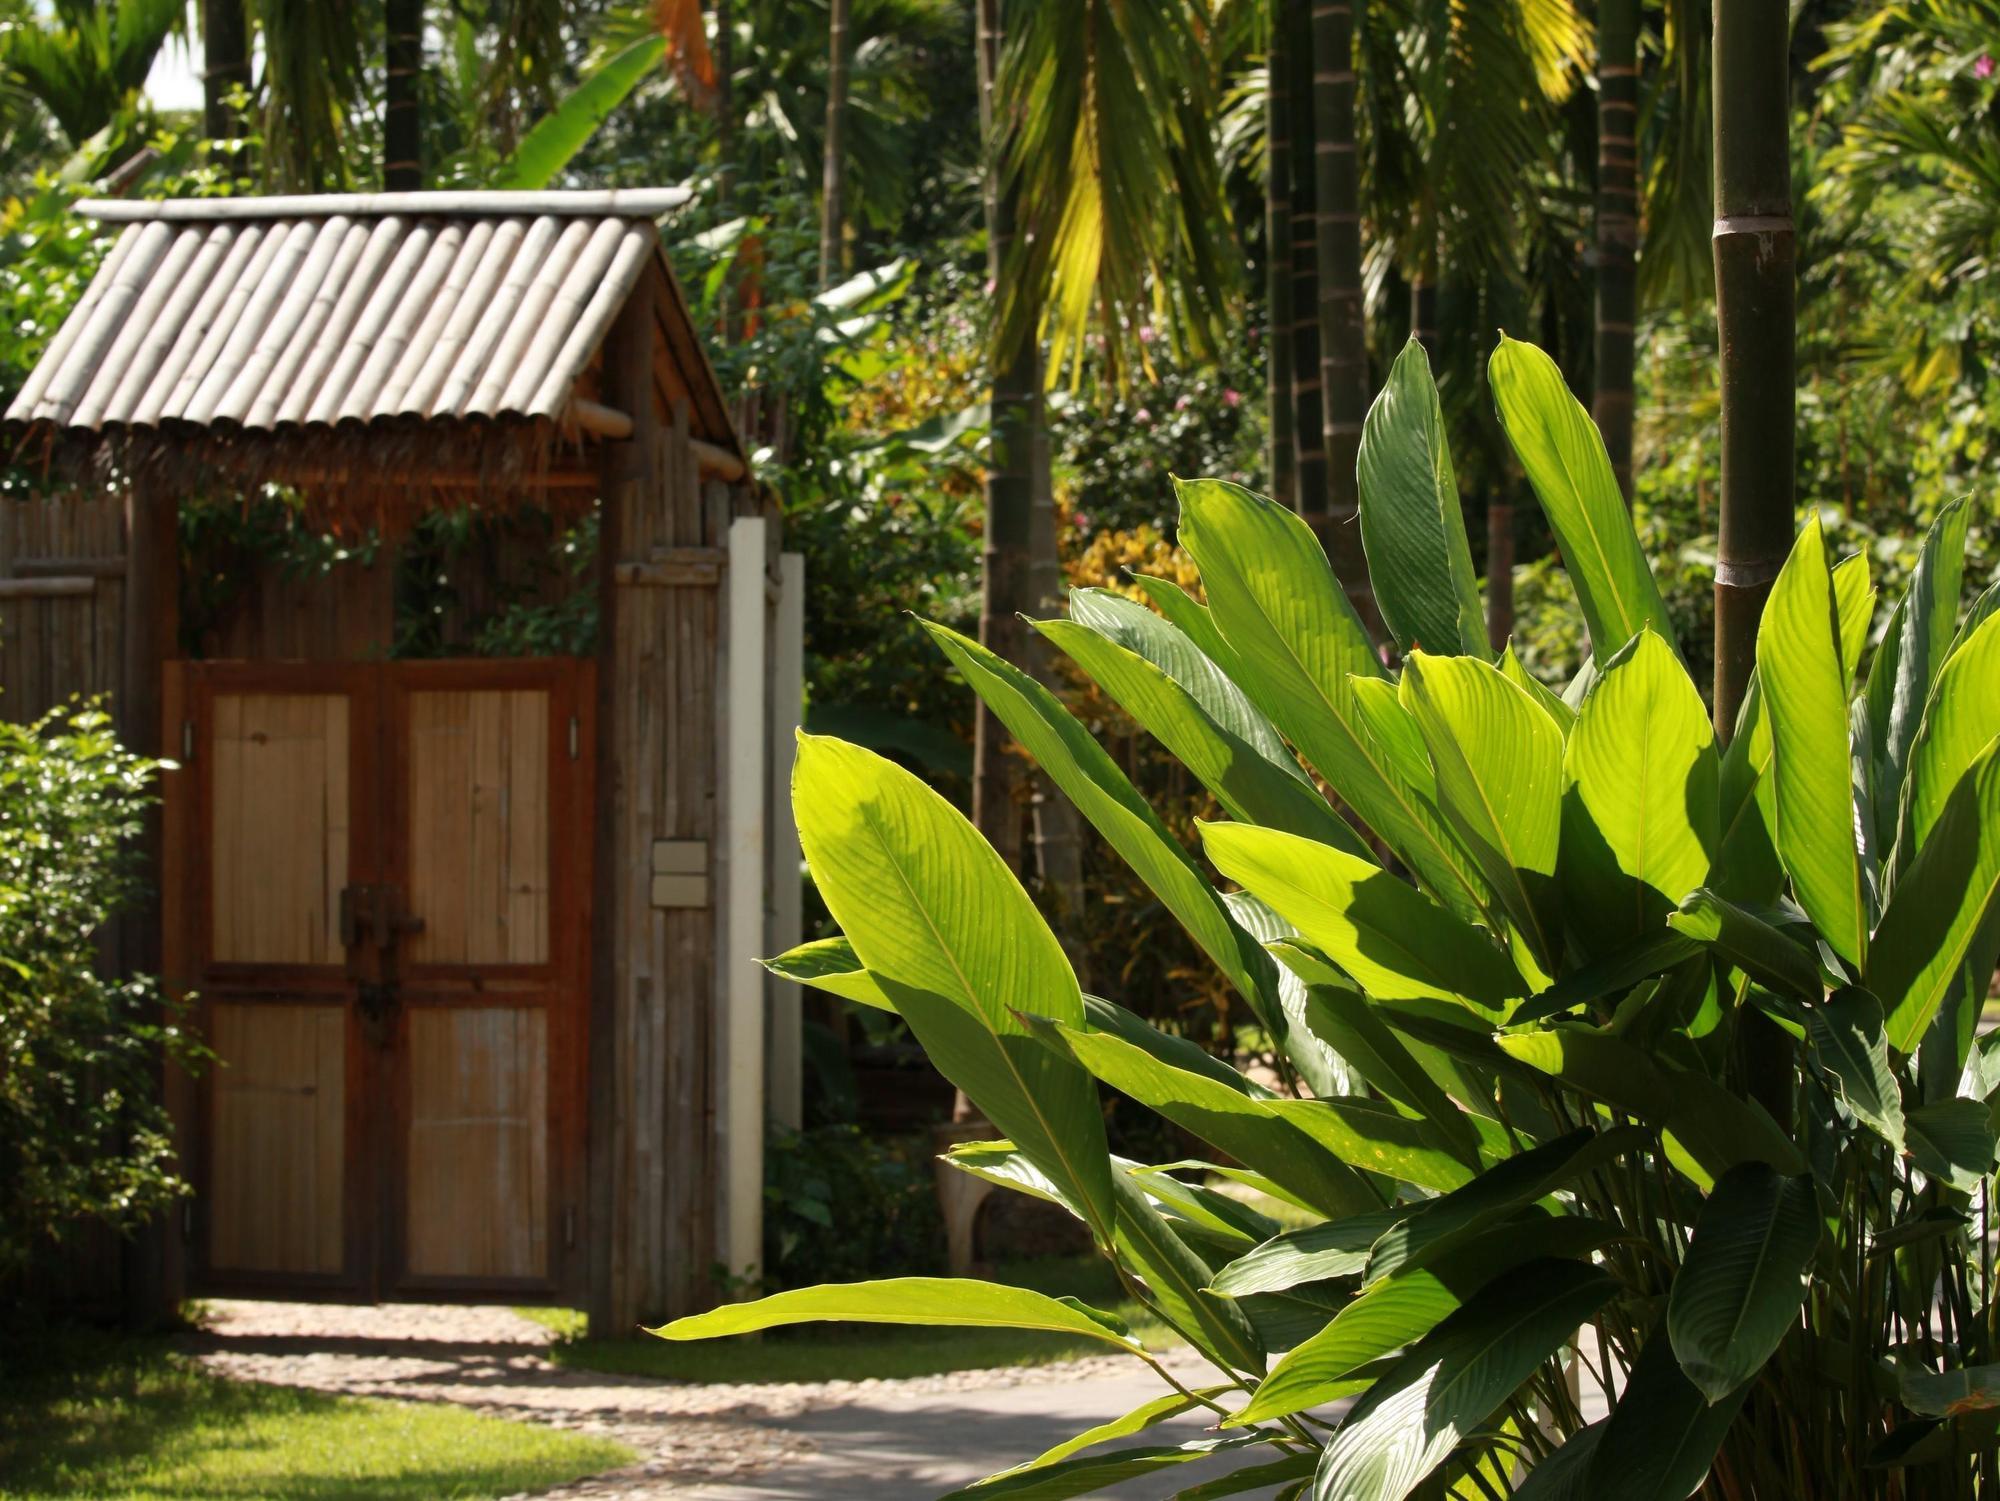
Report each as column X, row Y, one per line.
column 126, row 1420
column 858, row 1352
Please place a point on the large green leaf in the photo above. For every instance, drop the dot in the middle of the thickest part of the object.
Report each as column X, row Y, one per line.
column 1951, row 1394
column 1170, row 1405
column 1708, row 1128
column 1279, row 1472
column 1499, row 763
column 1565, row 1474
column 1088, row 1474
column 1753, row 945
column 959, row 949
column 1176, row 1281
column 1409, row 1305
column 1346, row 1021
column 1744, row 1279
column 1563, row 455
column 1640, row 823
column 1805, row 690
column 1952, row 1141
column 1177, row 1052
column 1250, row 1130
column 1451, row 1380
column 1661, row 1438
column 1908, row 661
column 1849, row 1041
column 830, row 964
column 1322, row 1068
column 1312, row 1253
column 1389, row 936
column 1412, row 526
column 1087, row 775
column 952, row 1301
column 1443, row 1224
column 1535, row 688
column 1294, row 643
column 1942, row 931
column 557, row 137
column 1961, row 721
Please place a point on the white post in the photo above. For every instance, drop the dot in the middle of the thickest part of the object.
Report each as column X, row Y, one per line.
column 742, row 978
column 786, row 1080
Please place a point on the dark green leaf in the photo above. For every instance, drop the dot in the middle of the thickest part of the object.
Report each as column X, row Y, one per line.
column 1743, row 1281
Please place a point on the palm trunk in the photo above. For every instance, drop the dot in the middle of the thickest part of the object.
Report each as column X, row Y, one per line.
column 1754, row 316
column 1005, row 586
column 1500, row 564
column 402, row 116
column 833, row 183
column 1308, row 412
column 1278, row 257
column 1755, row 327
column 1617, row 227
column 225, row 57
column 1343, row 348
column 725, row 105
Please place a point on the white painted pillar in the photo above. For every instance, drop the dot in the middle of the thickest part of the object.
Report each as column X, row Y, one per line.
column 747, row 785
column 786, row 1079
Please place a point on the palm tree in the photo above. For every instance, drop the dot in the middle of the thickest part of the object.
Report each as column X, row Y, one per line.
column 225, row 47
column 1278, row 264
column 1617, row 227
column 402, row 113
column 1754, row 311
column 834, row 183
column 87, row 63
column 1308, row 377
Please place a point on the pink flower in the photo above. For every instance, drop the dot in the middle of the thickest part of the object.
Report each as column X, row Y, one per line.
column 1144, row 417
column 1182, row 402
column 1146, row 333
column 1984, row 67
column 1232, row 397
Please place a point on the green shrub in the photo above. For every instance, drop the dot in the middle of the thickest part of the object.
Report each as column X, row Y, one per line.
column 83, row 1133
column 1657, row 1074
column 839, row 1204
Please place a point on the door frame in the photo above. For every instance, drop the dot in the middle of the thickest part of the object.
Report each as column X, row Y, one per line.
column 377, row 1106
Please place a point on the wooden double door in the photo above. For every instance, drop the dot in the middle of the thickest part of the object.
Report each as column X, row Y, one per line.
column 382, row 908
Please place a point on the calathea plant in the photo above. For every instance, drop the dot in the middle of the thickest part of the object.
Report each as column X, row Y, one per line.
column 1625, row 1072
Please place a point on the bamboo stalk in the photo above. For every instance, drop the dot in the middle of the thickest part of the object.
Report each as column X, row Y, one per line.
column 281, row 332
column 640, row 244
column 1278, row 260
column 481, row 276
column 1617, row 228
column 527, row 322
column 140, row 338
column 377, row 251
column 57, row 354
column 587, row 274
column 305, row 340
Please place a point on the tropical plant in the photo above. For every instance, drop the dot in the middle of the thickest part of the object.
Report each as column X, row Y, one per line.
column 1542, row 1181
column 87, row 62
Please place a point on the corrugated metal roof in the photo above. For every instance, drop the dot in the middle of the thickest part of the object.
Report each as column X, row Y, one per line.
column 268, row 322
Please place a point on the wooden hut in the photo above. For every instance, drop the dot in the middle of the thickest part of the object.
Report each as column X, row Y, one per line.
column 472, row 938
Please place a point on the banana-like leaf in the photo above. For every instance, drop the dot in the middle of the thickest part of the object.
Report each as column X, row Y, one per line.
column 1963, row 718
column 1661, row 1438
column 1452, row 1379
column 1952, row 1141
column 1747, row 869
column 1379, row 708
column 1005, row 1165
column 1613, row 974
column 1084, row 770
column 1295, row 642
column 1412, row 526
column 1565, row 1474
column 1192, row 619
column 1640, row 818
column 1951, row 1394
column 1535, row 688
column 1088, row 1474
column 1708, row 1129
column 1133, row 628
column 1754, row 946
column 1909, row 659
column 1805, row 692
column 958, row 947
column 1315, row 1253
column 557, row 137
column 1247, row 1129
column 1744, row 1279
column 1322, row 1068
column 945, row 1301
column 1220, row 1223
column 1941, row 933
column 1563, row 455
column 1346, row 1021
column 1849, row 1040
column 1138, row 1420
column 1378, row 1138
column 1176, row 1279
column 1389, row 936
column 830, row 964
column 1443, row 1224
column 1853, row 611
column 1178, row 1052
column 1409, row 1305
column 1293, row 1467
column 1499, row 764
column 1987, row 605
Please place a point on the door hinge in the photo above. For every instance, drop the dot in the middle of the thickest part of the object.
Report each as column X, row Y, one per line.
column 575, row 737
column 187, row 741
column 569, row 1228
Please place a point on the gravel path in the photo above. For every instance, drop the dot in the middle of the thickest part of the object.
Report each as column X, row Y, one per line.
column 692, row 1440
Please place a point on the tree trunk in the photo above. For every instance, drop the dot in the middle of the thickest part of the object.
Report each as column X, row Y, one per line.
column 1308, row 413
column 833, row 183
column 1278, row 259
column 402, row 116
column 1754, row 324
column 225, row 59
column 1343, row 348
column 1005, row 586
column 1617, row 227
column 1500, row 564
column 1754, row 316
column 725, row 105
